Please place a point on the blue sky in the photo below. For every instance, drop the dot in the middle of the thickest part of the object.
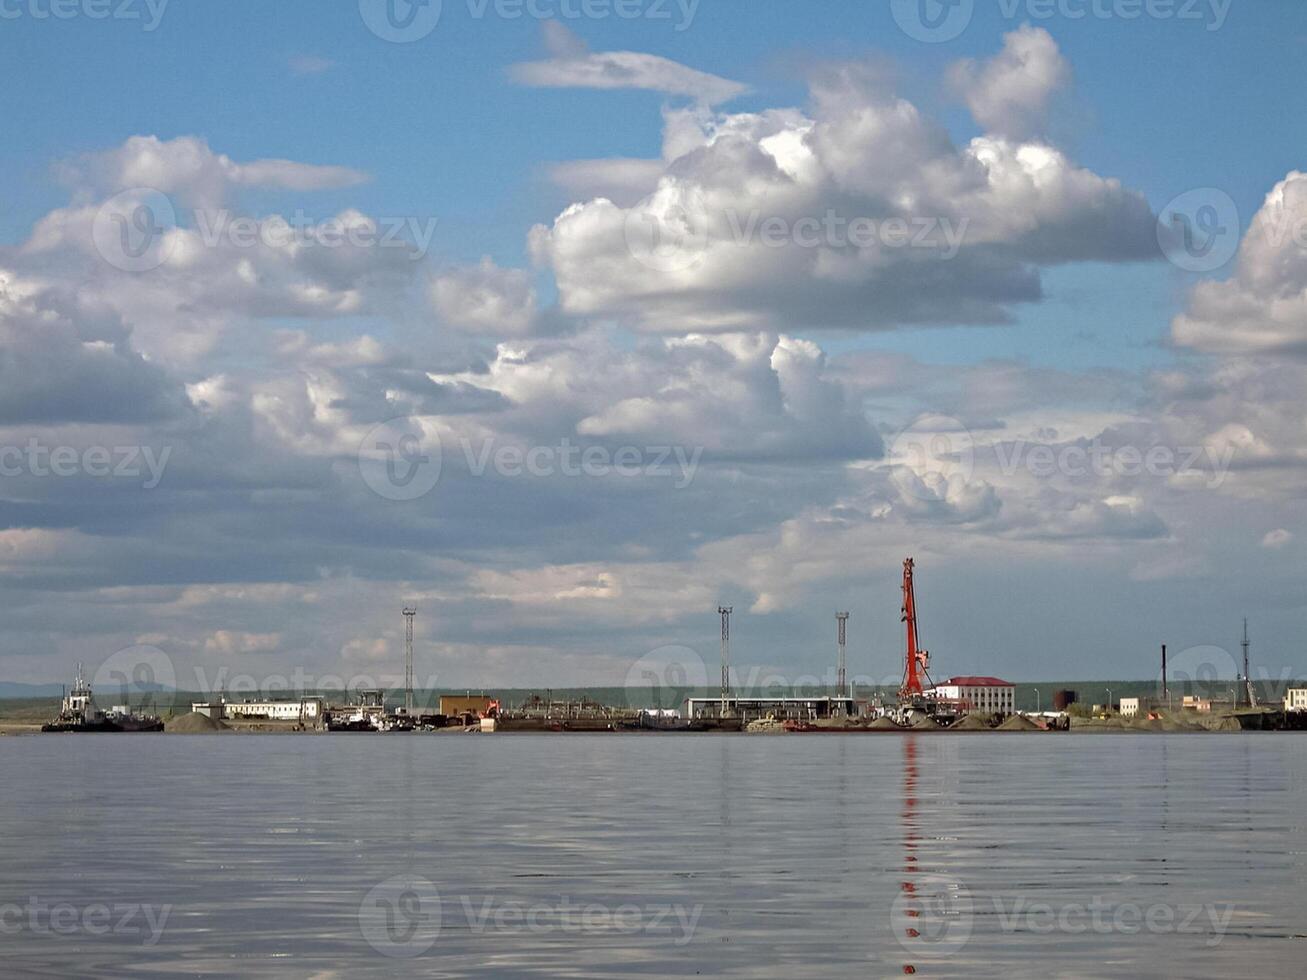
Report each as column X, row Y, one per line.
column 263, row 370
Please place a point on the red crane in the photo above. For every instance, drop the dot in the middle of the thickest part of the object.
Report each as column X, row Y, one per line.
column 915, row 661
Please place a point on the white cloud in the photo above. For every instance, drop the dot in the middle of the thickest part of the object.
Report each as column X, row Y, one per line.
column 486, row 299
column 187, row 170
column 1262, row 308
column 1278, row 538
column 862, row 214
column 208, row 268
column 309, row 64
column 745, row 396
column 573, row 66
column 1010, row 94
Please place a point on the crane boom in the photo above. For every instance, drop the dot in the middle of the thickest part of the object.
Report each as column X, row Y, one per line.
column 915, row 660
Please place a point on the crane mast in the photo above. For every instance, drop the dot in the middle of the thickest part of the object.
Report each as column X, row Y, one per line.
column 916, row 661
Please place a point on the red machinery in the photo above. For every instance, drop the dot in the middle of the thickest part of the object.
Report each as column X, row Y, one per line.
column 915, row 661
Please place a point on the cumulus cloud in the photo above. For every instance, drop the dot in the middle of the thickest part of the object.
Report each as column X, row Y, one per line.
column 1009, row 94
column 485, row 298
column 178, row 277
column 860, row 214
column 62, row 362
column 744, row 396
column 185, row 168
column 572, row 65
column 1262, row 307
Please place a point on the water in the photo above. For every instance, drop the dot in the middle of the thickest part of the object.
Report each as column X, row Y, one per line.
column 653, row 855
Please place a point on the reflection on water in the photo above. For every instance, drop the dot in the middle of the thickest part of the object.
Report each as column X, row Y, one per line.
column 676, row 855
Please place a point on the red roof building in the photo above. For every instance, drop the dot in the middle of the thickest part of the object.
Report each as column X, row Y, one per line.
column 971, row 681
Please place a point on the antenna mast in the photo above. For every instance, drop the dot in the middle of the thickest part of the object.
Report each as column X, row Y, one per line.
column 842, row 618
column 409, row 613
column 725, row 613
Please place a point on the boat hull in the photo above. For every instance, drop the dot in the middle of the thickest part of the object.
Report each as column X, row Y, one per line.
column 106, row 725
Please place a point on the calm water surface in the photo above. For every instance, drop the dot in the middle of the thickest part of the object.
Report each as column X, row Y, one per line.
column 655, row 856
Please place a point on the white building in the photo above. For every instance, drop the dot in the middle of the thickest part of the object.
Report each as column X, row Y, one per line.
column 1129, row 707
column 1296, row 699
column 983, row 695
column 308, row 711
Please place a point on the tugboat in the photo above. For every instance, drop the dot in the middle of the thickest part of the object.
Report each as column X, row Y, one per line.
column 78, row 713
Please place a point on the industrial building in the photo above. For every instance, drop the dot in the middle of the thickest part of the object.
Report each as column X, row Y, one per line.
column 983, row 695
column 1295, row 699
column 458, row 705
column 1129, row 707
column 306, row 710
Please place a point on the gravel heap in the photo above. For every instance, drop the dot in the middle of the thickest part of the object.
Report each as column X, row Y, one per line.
column 195, row 724
column 883, row 724
column 1018, row 723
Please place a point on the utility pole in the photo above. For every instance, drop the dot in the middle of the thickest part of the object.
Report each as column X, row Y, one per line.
column 1166, row 691
column 1247, row 674
column 409, row 613
column 725, row 613
column 842, row 618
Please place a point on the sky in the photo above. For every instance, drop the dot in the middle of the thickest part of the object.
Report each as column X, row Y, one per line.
column 566, row 321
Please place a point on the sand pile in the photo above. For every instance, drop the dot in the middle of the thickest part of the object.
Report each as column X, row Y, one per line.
column 970, row 723
column 924, row 724
column 884, row 724
column 1018, row 723
column 195, row 724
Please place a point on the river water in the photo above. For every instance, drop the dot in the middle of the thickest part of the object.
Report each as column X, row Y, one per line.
column 653, row 855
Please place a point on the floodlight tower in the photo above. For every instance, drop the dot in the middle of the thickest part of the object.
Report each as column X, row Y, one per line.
column 725, row 613
column 409, row 613
column 842, row 618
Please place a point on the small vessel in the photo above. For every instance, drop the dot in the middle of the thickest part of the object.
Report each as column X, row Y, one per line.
column 357, row 721
column 79, row 713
